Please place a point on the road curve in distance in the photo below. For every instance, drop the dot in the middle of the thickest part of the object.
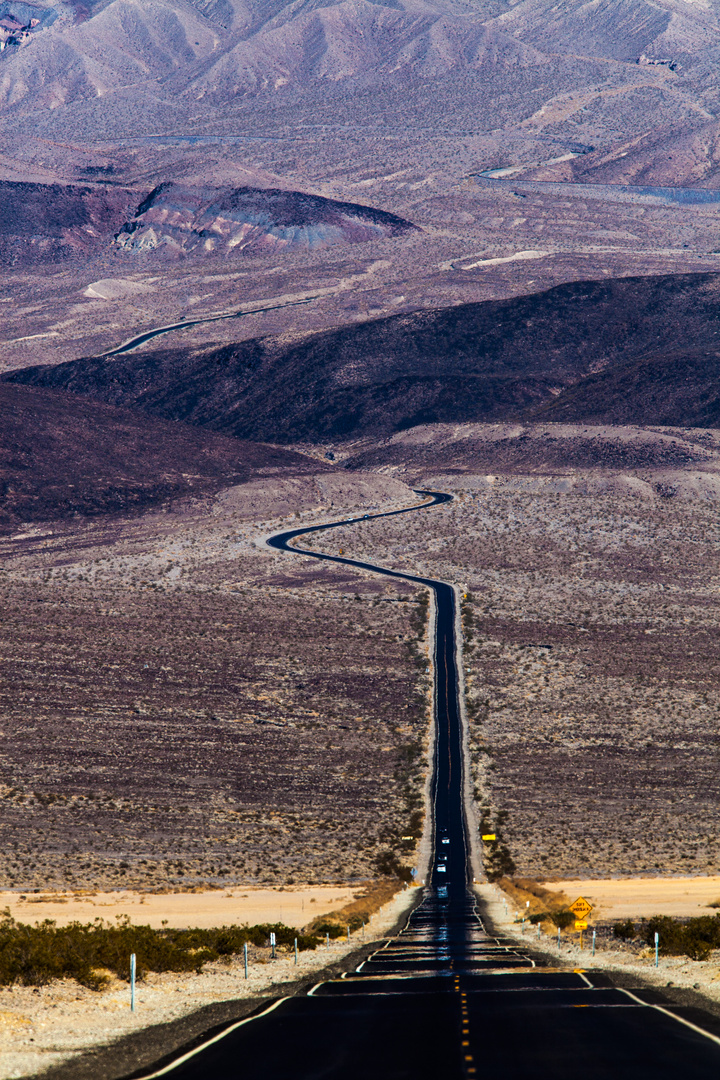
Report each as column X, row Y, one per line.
column 445, row 999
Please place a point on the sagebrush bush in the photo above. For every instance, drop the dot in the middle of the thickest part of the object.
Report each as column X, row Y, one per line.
column 35, row 955
column 327, row 926
column 695, row 938
column 563, row 919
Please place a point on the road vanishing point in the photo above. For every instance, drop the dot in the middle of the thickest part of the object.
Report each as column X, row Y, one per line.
column 445, row 999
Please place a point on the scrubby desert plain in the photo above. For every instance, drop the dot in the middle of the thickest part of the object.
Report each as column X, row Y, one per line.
column 470, row 245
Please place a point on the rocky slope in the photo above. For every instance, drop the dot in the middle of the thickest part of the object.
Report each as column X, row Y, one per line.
column 607, row 352
column 180, row 219
column 62, row 457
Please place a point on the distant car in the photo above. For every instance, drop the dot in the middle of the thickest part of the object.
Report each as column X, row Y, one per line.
column 441, row 869
column 444, row 840
column 365, row 517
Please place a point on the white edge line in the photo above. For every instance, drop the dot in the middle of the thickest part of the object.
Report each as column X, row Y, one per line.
column 673, row 1016
column 216, row 1038
column 310, row 993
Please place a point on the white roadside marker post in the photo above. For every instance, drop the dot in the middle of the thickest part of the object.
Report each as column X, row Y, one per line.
column 558, row 939
column 272, row 944
column 593, row 952
column 657, row 949
column 348, row 931
column 327, row 940
column 296, row 951
column 246, row 963
column 132, row 982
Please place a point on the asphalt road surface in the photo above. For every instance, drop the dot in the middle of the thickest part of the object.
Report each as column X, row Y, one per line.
column 445, row 999
column 158, row 331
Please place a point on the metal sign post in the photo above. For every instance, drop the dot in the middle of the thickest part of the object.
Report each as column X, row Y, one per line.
column 581, row 909
column 246, row 963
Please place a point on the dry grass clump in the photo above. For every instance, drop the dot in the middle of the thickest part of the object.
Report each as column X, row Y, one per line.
column 358, row 911
column 35, row 955
column 545, row 905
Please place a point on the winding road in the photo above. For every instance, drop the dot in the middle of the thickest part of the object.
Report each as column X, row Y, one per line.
column 445, row 999
column 185, row 324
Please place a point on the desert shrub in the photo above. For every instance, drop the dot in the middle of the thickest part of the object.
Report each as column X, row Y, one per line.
column 563, row 919
column 326, row 926
column 624, row 930
column 695, row 938
column 387, row 864
column 499, row 862
column 35, row 955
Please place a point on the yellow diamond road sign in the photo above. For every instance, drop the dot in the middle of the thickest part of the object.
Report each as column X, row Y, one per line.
column 581, row 908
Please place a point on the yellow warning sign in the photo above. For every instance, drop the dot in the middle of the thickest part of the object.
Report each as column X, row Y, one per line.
column 581, row 908
column 489, row 836
column 580, row 924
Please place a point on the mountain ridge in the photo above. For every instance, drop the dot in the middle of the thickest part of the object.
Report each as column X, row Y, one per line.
column 543, row 355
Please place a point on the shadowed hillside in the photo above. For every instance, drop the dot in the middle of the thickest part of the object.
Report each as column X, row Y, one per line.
column 61, row 457
column 565, row 354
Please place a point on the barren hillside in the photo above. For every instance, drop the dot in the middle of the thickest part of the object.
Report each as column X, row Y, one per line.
column 603, row 352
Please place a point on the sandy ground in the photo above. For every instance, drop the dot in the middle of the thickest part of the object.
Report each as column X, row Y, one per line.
column 39, row 1028
column 637, row 898
column 289, row 905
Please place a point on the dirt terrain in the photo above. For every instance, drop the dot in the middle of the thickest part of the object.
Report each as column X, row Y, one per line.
column 292, row 905
column 641, row 898
column 590, row 620
column 586, row 558
column 637, row 350
column 42, row 1027
column 183, row 706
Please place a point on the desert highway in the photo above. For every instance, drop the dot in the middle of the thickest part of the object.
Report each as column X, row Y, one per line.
column 186, row 324
column 445, row 999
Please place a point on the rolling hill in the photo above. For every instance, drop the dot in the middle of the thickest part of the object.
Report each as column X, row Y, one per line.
column 631, row 350
column 63, row 457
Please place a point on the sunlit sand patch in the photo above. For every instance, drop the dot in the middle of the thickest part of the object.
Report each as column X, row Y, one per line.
column 633, row 898
column 294, row 906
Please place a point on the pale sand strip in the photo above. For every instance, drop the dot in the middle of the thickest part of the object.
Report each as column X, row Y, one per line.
column 38, row 1029
column 294, row 906
column 635, row 898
